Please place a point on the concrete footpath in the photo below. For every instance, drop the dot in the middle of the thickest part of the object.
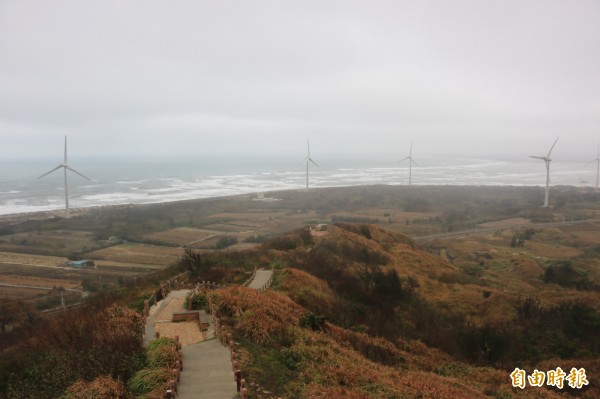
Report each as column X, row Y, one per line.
column 260, row 279
column 207, row 369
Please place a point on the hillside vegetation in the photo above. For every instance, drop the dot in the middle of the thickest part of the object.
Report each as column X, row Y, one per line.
column 359, row 312
column 368, row 314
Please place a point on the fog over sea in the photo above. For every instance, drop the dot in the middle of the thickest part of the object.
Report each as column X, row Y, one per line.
column 119, row 182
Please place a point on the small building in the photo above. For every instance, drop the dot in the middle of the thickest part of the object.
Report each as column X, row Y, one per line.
column 322, row 227
column 319, row 230
column 81, row 263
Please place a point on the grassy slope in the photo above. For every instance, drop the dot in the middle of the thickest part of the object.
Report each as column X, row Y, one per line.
column 344, row 359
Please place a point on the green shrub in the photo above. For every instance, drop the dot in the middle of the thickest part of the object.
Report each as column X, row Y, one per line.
column 199, row 301
column 162, row 352
column 148, row 380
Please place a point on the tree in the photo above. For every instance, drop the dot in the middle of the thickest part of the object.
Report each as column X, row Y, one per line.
column 193, row 261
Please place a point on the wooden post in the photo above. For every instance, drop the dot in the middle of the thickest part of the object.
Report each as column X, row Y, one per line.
column 237, row 376
column 157, row 335
column 169, row 394
column 146, row 308
column 244, row 393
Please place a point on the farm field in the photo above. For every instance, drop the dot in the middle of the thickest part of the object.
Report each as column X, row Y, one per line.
column 51, row 242
column 22, row 294
column 32, row 277
column 30, row 259
column 179, row 236
column 133, row 253
column 38, row 282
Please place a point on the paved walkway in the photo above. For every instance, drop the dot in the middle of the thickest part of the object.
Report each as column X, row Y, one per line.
column 159, row 320
column 207, row 370
column 260, row 279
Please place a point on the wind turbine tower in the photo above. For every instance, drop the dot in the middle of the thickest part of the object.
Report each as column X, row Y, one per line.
column 65, row 166
column 546, row 159
column 597, row 165
column 308, row 159
column 410, row 163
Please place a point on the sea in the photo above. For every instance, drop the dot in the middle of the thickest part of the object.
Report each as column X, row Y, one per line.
column 145, row 181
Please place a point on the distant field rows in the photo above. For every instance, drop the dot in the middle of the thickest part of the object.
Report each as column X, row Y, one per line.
column 464, row 233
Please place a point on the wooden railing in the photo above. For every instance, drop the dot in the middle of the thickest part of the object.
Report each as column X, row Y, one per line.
column 162, row 292
column 247, row 282
column 226, row 339
column 267, row 284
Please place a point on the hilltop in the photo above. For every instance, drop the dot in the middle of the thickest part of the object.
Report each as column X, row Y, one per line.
column 384, row 318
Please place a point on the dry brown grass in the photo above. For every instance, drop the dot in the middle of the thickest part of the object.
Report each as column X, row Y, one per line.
column 409, row 261
column 305, row 289
column 101, row 388
column 261, row 315
column 331, row 371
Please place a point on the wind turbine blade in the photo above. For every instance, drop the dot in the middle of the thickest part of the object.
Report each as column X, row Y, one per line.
column 416, row 164
column 65, row 149
column 47, row 173
column 410, row 152
column 313, row 162
column 533, row 156
column 551, row 148
column 74, row 171
column 308, row 147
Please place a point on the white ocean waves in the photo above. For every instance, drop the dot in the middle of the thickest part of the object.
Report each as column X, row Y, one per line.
column 151, row 186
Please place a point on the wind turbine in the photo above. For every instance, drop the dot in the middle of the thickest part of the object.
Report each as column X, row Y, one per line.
column 547, row 160
column 597, row 165
column 65, row 166
column 410, row 163
column 308, row 159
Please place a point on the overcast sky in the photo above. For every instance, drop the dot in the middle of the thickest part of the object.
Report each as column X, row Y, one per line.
column 179, row 78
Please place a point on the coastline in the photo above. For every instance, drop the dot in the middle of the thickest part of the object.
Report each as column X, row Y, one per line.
column 264, row 196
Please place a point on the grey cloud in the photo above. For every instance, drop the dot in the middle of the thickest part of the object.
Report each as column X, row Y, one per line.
column 460, row 77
